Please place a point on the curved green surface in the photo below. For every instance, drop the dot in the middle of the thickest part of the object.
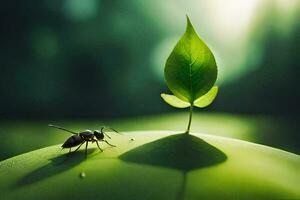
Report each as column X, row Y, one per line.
column 155, row 165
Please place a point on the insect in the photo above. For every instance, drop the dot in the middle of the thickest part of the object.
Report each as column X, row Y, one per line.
column 85, row 137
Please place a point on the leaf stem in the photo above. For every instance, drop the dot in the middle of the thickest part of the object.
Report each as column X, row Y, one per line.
column 190, row 119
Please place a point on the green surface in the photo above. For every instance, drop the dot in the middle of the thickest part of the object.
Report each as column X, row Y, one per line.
column 22, row 136
column 155, row 166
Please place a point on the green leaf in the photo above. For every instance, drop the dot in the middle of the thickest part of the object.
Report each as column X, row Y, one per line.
column 207, row 99
column 174, row 101
column 190, row 70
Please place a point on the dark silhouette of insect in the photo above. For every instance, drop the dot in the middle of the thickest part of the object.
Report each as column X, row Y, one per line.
column 85, row 137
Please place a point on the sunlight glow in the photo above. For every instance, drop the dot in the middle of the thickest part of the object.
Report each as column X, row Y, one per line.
column 234, row 30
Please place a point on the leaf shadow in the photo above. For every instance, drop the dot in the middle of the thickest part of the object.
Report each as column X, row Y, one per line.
column 184, row 152
column 56, row 165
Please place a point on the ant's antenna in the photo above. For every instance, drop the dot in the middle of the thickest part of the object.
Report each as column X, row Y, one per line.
column 104, row 132
column 108, row 128
column 61, row 128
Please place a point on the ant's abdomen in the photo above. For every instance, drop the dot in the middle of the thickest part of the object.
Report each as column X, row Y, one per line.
column 72, row 141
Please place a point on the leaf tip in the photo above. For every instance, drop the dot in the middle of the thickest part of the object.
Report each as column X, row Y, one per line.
column 189, row 26
column 187, row 19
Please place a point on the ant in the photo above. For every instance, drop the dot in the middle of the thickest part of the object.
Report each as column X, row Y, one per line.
column 85, row 137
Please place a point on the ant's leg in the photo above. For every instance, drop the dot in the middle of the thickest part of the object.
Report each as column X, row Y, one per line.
column 70, row 150
column 86, row 146
column 78, row 147
column 98, row 145
column 109, row 143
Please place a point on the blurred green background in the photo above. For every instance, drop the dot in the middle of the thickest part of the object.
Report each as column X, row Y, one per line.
column 84, row 63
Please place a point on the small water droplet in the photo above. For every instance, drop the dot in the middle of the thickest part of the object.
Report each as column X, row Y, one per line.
column 82, row 175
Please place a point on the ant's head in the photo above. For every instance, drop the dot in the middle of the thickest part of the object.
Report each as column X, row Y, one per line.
column 99, row 135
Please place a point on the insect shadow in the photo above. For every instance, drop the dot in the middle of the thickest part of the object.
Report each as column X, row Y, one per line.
column 55, row 166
